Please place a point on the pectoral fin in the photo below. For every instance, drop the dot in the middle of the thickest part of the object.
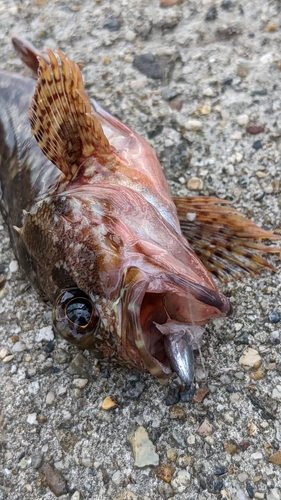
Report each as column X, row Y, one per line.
column 61, row 119
column 223, row 238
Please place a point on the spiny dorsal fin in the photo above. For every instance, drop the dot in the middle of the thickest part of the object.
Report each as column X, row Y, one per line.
column 223, row 238
column 61, row 118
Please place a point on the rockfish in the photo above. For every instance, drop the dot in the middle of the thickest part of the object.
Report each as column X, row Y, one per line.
column 126, row 268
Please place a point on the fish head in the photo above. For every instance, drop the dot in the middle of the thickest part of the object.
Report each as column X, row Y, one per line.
column 123, row 285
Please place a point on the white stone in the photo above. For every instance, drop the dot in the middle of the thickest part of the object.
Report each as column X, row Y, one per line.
column 130, row 36
column 18, row 347
column 267, row 58
column 13, row 266
column 194, row 125
column 80, row 383
column 50, row 398
column 208, row 92
column 75, row 496
column 116, row 477
column 32, row 419
column 191, row 439
column 276, row 393
column 33, row 387
column 46, row 334
column 3, row 352
column 230, row 169
column 242, row 120
column 250, row 359
column 257, row 455
column 181, row 482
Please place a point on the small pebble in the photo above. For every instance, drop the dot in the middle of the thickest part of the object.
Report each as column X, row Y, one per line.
column 130, row 36
column 200, row 395
column 186, row 461
column 254, row 129
column 32, row 419
column 109, row 403
column 242, row 70
column 242, row 338
column 274, row 317
column 165, row 490
column 165, row 472
column 230, row 448
column 50, row 398
column 227, row 81
column 276, row 392
column 257, row 145
column 226, row 4
column 219, row 470
column 257, row 455
column 143, row 448
column 250, row 359
column 173, row 396
column 33, row 387
column 211, row 14
column 194, row 125
column 54, row 480
column 270, row 28
column 172, row 454
column 275, row 337
column 112, row 24
column 195, row 184
column 8, row 358
column 45, row 334
column 80, row 383
column 13, row 266
column 75, row 496
column 250, row 489
column 205, row 429
column 3, row 352
column 208, row 92
column 182, row 481
column 242, row 120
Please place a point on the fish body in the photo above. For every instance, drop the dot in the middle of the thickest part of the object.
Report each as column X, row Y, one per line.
column 93, row 225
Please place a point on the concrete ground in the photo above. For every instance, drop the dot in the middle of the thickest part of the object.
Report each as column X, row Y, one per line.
column 217, row 63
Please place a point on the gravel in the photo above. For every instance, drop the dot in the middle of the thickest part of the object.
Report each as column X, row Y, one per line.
column 163, row 72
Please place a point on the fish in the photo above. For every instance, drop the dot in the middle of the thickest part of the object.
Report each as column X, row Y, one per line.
column 127, row 269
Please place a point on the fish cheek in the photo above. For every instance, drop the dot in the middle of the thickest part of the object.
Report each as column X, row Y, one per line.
column 45, row 251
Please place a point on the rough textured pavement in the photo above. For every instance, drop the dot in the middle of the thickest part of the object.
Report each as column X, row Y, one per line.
column 210, row 70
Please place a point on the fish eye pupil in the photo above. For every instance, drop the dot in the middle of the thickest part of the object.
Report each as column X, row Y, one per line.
column 79, row 311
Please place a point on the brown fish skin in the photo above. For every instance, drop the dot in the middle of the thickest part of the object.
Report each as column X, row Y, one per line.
column 100, row 236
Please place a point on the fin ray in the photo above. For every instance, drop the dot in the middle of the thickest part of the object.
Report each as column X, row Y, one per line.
column 61, row 118
column 223, row 238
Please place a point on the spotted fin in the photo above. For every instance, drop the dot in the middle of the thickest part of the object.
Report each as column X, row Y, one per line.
column 223, row 238
column 61, row 119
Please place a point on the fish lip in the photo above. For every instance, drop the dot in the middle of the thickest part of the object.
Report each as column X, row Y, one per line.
column 140, row 329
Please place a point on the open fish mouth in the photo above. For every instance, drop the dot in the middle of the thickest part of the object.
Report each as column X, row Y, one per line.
column 166, row 316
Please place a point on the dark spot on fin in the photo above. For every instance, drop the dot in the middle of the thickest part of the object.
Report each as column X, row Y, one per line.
column 223, row 238
column 61, row 119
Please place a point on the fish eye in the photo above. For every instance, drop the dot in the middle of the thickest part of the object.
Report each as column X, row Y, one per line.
column 79, row 311
column 74, row 316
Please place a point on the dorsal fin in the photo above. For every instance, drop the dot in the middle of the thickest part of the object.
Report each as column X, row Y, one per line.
column 61, row 118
